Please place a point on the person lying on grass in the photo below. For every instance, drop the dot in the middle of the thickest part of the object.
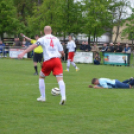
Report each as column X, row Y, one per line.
column 108, row 83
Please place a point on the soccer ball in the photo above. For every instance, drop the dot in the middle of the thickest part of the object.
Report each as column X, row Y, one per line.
column 55, row 91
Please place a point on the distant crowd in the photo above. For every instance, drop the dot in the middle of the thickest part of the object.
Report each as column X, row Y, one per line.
column 4, row 48
column 105, row 48
column 85, row 47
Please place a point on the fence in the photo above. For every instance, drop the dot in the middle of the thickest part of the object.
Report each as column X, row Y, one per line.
column 11, row 51
column 81, row 57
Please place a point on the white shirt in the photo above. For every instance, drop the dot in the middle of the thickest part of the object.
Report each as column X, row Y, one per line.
column 106, row 83
column 51, row 46
column 71, row 46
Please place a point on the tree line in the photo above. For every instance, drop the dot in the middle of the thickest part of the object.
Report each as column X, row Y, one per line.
column 92, row 17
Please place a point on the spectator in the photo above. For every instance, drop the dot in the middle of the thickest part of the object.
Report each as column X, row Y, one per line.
column 2, row 48
column 27, row 44
column 17, row 42
column 97, row 59
column 95, row 48
column 111, row 47
column 65, row 51
column 76, row 41
column 104, row 48
column 87, row 47
column 23, row 42
column 118, row 48
column 6, row 50
column 127, row 49
column 82, row 47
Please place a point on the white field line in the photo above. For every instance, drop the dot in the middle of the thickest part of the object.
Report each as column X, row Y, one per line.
column 30, row 84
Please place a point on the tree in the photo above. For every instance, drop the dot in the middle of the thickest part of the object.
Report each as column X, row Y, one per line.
column 118, row 8
column 25, row 8
column 97, row 18
column 128, row 32
column 64, row 16
column 8, row 14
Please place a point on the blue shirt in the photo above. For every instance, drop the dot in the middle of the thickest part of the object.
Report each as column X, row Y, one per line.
column 127, row 50
column 106, row 83
column 2, row 46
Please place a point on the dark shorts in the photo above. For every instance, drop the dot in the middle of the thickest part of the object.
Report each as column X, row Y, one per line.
column 37, row 57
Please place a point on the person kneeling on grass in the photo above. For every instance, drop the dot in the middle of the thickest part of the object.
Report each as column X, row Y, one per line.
column 97, row 59
column 108, row 83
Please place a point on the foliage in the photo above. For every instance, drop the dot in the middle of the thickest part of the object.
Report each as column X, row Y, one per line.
column 93, row 17
column 97, row 17
column 129, row 24
column 64, row 16
column 8, row 16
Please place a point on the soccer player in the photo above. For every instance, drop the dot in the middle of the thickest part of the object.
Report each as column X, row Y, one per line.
column 108, row 83
column 38, row 52
column 52, row 51
column 71, row 46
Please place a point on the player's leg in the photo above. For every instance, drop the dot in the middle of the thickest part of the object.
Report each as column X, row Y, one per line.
column 42, row 88
column 71, row 59
column 68, row 65
column 62, row 88
column 68, row 62
column 128, row 80
column 35, row 68
column 119, row 84
column 58, row 72
column 46, row 70
column 35, row 61
column 40, row 59
column 131, row 82
column 77, row 69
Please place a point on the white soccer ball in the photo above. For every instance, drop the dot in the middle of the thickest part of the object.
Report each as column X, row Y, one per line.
column 55, row 91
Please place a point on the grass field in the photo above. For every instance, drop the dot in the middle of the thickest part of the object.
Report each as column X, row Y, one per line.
column 87, row 111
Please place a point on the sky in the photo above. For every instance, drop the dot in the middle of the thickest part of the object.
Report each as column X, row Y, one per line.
column 128, row 10
column 132, row 4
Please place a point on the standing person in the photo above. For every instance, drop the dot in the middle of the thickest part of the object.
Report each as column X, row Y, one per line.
column 104, row 48
column 52, row 51
column 118, row 48
column 127, row 49
column 111, row 47
column 64, row 48
column 71, row 46
column 17, row 42
column 2, row 48
column 87, row 47
column 95, row 48
column 38, row 52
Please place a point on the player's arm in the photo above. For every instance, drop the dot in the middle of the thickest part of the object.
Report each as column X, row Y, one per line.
column 62, row 53
column 29, row 39
column 104, row 85
column 30, row 48
column 74, row 45
column 97, row 87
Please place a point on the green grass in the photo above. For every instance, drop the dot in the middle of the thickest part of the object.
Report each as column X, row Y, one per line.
column 87, row 111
